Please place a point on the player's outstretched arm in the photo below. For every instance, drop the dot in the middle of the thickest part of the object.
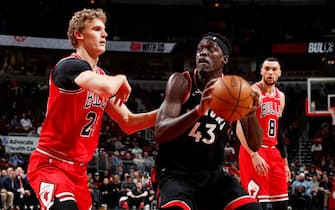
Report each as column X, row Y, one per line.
column 105, row 85
column 128, row 121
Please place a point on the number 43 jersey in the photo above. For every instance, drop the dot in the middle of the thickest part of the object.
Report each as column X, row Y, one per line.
column 73, row 119
column 201, row 145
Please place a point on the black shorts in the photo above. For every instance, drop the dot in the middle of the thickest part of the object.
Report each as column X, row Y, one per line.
column 201, row 190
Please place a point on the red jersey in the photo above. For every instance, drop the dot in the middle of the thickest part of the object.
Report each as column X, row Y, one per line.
column 72, row 124
column 268, row 114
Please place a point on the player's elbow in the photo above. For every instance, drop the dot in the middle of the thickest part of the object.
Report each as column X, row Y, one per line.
column 159, row 135
column 126, row 125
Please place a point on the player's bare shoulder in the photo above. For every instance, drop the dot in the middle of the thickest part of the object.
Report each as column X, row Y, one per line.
column 281, row 93
column 282, row 102
column 178, row 85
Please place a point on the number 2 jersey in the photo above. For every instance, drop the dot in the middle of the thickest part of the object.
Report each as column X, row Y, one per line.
column 201, row 145
column 73, row 119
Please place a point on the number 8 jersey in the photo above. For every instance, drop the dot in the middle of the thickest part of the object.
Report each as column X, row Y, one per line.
column 268, row 114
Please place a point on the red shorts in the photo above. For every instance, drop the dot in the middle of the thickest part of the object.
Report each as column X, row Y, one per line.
column 270, row 188
column 50, row 178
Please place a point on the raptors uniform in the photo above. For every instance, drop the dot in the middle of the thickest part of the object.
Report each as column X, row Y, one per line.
column 68, row 139
column 189, row 168
column 273, row 186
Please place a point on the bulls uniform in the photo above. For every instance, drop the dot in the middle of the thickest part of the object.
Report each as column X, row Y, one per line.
column 273, row 186
column 189, row 168
column 68, row 139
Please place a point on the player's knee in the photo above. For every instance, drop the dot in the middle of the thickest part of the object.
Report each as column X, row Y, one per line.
column 65, row 205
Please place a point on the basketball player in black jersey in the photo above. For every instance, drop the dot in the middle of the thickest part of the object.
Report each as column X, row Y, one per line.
column 189, row 134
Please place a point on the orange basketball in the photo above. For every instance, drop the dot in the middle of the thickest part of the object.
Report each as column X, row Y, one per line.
column 232, row 97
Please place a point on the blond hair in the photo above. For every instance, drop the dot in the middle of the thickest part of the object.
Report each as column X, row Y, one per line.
column 79, row 20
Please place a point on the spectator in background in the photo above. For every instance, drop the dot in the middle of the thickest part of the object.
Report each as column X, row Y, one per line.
column 27, row 195
column 317, row 150
column 7, row 197
column 148, row 162
column 105, row 190
column 11, row 184
column 316, row 146
column 302, row 188
column 120, row 171
column 136, row 148
column 139, row 161
column 127, row 185
column 94, row 191
column 317, row 192
column 15, row 123
column 116, row 162
column 325, row 186
column 107, row 174
column 128, row 162
column 116, row 192
column 138, row 197
column 97, row 180
column 117, row 143
column 26, row 123
column 16, row 160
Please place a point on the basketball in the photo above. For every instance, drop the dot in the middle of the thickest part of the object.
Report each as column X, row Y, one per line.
column 231, row 97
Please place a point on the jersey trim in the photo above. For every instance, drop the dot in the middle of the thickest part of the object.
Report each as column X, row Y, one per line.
column 70, row 92
column 241, row 201
column 176, row 203
column 272, row 198
column 65, row 196
column 58, row 158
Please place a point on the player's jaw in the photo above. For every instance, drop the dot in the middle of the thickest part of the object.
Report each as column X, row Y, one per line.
column 269, row 80
column 203, row 64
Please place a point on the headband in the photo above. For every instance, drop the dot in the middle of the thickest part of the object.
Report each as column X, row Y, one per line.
column 220, row 42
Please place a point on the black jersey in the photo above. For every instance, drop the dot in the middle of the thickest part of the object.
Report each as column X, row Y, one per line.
column 201, row 146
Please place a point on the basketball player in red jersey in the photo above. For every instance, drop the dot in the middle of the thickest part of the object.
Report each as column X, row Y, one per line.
column 265, row 173
column 190, row 137
column 79, row 94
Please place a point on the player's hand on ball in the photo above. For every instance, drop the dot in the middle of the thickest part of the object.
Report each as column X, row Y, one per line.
column 206, row 97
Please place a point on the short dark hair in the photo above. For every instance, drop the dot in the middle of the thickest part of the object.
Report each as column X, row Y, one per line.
column 221, row 40
column 272, row 59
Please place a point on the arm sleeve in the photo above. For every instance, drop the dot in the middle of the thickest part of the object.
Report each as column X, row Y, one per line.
column 281, row 145
column 67, row 70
